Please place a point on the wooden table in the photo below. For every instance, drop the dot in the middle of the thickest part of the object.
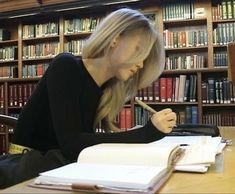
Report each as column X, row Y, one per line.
column 219, row 179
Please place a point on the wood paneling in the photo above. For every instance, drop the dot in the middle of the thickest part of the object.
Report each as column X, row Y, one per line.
column 12, row 5
column 231, row 62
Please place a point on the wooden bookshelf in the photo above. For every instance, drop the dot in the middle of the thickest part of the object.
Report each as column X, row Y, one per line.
column 154, row 9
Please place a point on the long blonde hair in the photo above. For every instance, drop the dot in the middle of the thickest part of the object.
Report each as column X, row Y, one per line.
column 116, row 93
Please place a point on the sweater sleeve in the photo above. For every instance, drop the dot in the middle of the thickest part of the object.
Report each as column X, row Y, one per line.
column 67, row 117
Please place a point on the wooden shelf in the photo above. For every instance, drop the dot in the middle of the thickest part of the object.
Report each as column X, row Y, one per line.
column 9, row 42
column 219, row 105
column 185, row 22
column 187, row 49
column 9, row 62
column 223, row 21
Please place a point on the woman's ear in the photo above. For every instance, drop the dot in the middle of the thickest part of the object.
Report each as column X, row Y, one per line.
column 115, row 41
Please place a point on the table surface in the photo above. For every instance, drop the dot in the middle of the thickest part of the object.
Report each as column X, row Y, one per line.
column 219, row 179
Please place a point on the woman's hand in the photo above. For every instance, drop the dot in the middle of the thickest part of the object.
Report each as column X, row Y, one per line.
column 164, row 120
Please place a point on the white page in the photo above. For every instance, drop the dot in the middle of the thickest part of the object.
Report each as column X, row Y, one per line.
column 192, row 168
column 140, row 177
column 202, row 149
column 183, row 140
column 127, row 154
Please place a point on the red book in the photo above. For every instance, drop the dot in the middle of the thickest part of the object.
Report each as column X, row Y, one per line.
column 128, row 117
column 39, row 70
column 163, row 89
column 122, row 119
column 169, row 89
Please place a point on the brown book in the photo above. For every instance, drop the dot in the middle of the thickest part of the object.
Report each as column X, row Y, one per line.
column 20, row 95
column 150, row 92
column 11, row 101
column 1, row 96
column 156, row 91
column 231, row 62
column 15, row 95
column 24, row 93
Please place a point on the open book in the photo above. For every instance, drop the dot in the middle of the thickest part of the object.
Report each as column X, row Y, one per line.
column 133, row 168
column 200, row 151
column 115, row 168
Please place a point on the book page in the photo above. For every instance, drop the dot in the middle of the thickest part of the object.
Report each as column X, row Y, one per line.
column 138, row 177
column 127, row 154
column 201, row 149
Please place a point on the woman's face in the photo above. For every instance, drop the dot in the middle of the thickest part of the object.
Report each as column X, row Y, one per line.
column 123, row 49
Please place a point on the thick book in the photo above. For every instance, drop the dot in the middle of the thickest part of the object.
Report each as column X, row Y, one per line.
column 115, row 168
column 200, row 151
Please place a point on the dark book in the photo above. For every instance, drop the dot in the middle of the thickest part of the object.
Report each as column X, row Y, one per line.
column 5, row 35
column 211, row 89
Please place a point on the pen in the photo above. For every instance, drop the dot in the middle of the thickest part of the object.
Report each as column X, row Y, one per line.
column 145, row 106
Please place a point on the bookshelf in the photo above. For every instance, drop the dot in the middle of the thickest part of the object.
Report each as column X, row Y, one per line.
column 196, row 36
column 35, row 40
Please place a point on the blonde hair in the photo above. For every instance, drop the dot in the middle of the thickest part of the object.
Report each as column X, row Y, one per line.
column 116, row 93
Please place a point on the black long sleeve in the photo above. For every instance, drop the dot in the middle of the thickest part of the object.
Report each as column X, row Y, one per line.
column 61, row 111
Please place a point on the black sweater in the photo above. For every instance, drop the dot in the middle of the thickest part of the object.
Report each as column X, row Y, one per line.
column 61, row 111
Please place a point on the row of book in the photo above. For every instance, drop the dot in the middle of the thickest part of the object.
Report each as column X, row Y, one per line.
column 188, row 38
column 41, row 50
column 224, row 10
column 80, row 25
column 224, row 33
column 19, row 94
column 219, row 91
column 34, row 70
column 170, row 89
column 178, row 11
column 8, row 53
column 185, row 61
column 8, row 71
column 220, row 119
column 40, row 30
column 75, row 46
column 4, row 34
column 124, row 119
column 220, row 59
column 188, row 115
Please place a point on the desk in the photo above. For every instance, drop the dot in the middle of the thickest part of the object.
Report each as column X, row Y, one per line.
column 219, row 179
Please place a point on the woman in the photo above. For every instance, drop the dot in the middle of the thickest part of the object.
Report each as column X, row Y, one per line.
column 124, row 54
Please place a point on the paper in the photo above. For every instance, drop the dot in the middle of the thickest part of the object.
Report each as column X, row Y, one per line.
column 137, row 177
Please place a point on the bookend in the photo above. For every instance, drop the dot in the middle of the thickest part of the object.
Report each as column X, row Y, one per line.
column 195, row 129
